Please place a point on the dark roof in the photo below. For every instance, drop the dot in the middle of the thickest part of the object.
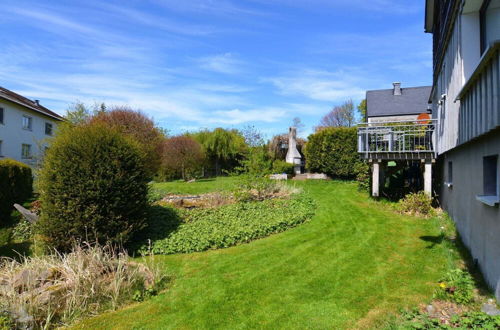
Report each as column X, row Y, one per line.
column 382, row 102
column 25, row 102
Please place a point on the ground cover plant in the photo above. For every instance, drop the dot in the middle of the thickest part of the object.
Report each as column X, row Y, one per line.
column 353, row 264
column 256, row 208
column 224, row 226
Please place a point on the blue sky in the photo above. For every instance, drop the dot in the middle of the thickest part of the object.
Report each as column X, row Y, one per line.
column 202, row 64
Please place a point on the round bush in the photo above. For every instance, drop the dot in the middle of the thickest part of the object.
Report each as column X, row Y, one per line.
column 93, row 187
column 16, row 185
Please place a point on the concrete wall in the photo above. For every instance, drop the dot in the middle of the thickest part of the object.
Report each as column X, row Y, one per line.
column 478, row 223
column 13, row 135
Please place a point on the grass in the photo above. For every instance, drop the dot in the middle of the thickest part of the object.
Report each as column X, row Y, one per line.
column 354, row 264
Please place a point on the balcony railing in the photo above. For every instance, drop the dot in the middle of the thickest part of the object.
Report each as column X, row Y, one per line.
column 414, row 139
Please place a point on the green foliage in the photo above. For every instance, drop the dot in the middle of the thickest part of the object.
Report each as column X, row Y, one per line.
column 256, row 162
column 223, row 147
column 362, row 110
column 203, row 229
column 415, row 319
column 23, row 230
column 362, row 171
column 457, row 286
column 92, row 187
column 6, row 321
column 416, row 203
column 280, row 166
column 16, row 185
column 333, row 151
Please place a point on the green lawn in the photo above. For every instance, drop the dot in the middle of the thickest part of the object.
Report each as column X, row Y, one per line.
column 352, row 265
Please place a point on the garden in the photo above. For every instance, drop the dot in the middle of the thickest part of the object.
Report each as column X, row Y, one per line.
column 133, row 228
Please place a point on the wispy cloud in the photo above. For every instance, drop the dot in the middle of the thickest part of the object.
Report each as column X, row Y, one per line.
column 319, row 85
column 222, row 63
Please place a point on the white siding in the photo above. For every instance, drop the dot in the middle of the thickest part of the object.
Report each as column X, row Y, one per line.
column 13, row 136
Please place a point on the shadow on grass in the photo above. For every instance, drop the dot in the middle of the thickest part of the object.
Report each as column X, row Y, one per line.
column 16, row 250
column 471, row 264
column 160, row 223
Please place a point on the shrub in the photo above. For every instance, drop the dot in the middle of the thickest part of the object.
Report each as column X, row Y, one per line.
column 45, row 291
column 457, row 286
column 280, row 166
column 363, row 178
column 16, row 185
column 333, row 151
column 416, row 204
column 203, row 229
column 142, row 129
column 92, row 187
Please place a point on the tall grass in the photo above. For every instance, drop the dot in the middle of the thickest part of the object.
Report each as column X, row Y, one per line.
column 53, row 290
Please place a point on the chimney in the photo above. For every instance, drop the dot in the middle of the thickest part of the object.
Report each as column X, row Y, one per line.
column 397, row 88
column 37, row 102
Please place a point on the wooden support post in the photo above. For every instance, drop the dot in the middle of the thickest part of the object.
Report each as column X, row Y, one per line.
column 428, row 177
column 375, row 178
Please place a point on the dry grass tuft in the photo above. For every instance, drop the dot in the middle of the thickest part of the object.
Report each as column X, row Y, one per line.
column 52, row 290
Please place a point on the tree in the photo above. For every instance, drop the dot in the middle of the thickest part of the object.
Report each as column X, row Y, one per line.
column 362, row 109
column 223, row 147
column 183, row 155
column 253, row 137
column 138, row 126
column 339, row 116
column 77, row 113
column 297, row 123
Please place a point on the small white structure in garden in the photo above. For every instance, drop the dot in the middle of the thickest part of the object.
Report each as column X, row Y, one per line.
column 293, row 155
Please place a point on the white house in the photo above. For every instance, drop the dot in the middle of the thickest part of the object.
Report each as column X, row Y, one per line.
column 25, row 127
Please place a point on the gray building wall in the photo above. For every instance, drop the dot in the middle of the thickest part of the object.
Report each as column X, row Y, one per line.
column 13, row 136
column 478, row 223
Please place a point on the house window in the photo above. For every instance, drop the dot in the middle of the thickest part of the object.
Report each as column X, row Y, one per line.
column 489, row 23
column 26, row 151
column 490, row 184
column 27, row 122
column 449, row 178
column 1, row 115
column 48, row 128
column 490, row 181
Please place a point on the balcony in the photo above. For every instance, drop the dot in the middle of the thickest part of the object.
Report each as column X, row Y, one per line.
column 406, row 140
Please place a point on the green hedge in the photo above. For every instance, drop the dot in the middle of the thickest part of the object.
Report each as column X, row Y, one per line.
column 93, row 187
column 184, row 231
column 333, row 151
column 16, row 185
column 280, row 166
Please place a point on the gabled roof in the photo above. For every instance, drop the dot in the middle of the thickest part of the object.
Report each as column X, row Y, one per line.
column 383, row 102
column 25, row 102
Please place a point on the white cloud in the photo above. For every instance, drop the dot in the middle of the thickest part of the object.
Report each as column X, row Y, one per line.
column 237, row 116
column 320, row 85
column 222, row 63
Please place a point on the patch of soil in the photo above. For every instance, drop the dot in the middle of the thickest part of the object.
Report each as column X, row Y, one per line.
column 197, row 201
column 443, row 310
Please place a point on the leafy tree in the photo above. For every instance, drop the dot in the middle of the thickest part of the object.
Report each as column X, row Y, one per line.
column 223, row 147
column 16, row 186
column 339, row 116
column 93, row 187
column 362, row 109
column 138, row 126
column 182, row 154
column 77, row 113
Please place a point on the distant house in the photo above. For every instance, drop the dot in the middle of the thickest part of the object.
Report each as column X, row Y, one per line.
column 465, row 98
column 396, row 104
column 25, row 126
